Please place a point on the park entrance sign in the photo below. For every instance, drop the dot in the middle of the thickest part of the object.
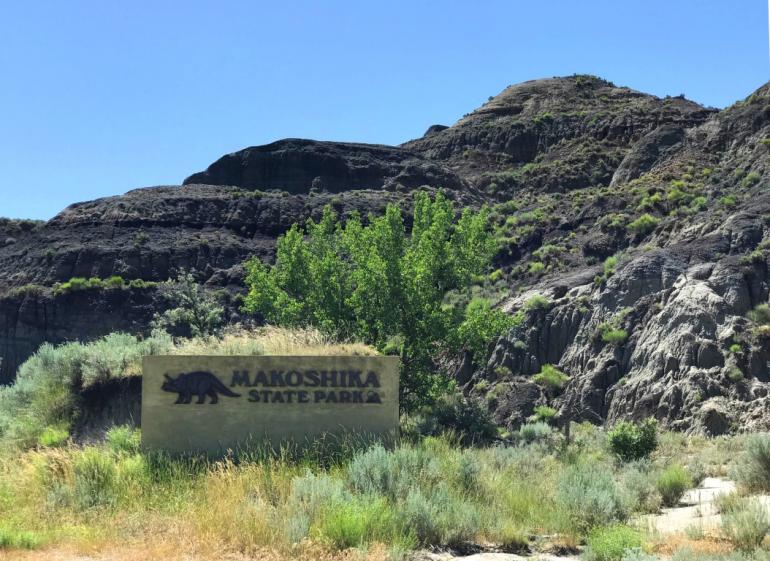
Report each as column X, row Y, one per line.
column 215, row 403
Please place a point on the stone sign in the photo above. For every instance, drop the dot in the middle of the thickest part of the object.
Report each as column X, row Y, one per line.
column 215, row 403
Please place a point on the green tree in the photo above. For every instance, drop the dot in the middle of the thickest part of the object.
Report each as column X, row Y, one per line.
column 194, row 309
column 373, row 282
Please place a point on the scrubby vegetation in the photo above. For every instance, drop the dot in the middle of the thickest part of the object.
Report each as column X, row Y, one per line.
column 346, row 493
column 371, row 282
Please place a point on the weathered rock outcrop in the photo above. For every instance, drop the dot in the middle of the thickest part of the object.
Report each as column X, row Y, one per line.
column 577, row 170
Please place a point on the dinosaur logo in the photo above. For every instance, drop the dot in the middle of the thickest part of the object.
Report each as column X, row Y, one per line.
column 197, row 383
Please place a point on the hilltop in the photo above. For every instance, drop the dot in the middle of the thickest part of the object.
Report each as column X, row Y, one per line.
column 638, row 223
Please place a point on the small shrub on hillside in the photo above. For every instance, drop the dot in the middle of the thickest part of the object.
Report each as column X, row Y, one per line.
column 612, row 543
column 544, row 414
column 630, row 441
column 537, row 302
column 536, row 267
column 760, row 314
column 551, row 377
column 535, row 432
column 728, row 201
column 615, row 336
column 610, row 264
column 587, row 493
column 643, row 225
column 746, row 526
column 672, row 484
column 195, row 311
column 751, row 179
column 753, row 468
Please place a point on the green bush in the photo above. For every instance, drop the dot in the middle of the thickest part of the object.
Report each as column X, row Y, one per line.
column 551, row 377
column 753, row 469
column 537, row 302
column 45, row 391
column 464, row 417
column 588, row 495
column 760, row 314
column 535, row 432
column 630, row 441
column 747, row 525
column 544, row 414
column 639, row 482
column 615, row 336
column 643, row 225
column 672, row 484
column 612, row 543
column 393, row 474
column 194, row 309
column 728, row 201
column 536, row 267
column 610, row 264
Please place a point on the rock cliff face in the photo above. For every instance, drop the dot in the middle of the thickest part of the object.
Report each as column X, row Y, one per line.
column 577, row 170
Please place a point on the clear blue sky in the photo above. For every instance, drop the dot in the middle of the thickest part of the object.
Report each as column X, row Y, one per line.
column 99, row 97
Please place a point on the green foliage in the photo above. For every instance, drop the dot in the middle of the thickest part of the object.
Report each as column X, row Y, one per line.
column 123, row 440
column 194, row 310
column 760, row 314
column 537, row 302
column 550, row 377
column 753, row 470
column 747, row 524
column 114, row 282
column 44, row 394
column 630, row 441
column 588, row 495
column 751, row 179
column 535, row 432
column 610, row 264
column 643, row 225
column 52, row 437
column 455, row 413
column 536, row 267
column 19, row 539
column 544, row 414
column 372, row 282
column 672, row 484
column 614, row 336
column 481, row 326
column 728, row 201
column 95, row 475
column 735, row 374
column 612, row 543
column 354, row 523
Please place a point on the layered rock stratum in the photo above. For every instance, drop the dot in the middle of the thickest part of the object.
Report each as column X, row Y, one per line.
column 576, row 169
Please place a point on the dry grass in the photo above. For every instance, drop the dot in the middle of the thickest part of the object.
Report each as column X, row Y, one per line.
column 175, row 550
column 273, row 341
